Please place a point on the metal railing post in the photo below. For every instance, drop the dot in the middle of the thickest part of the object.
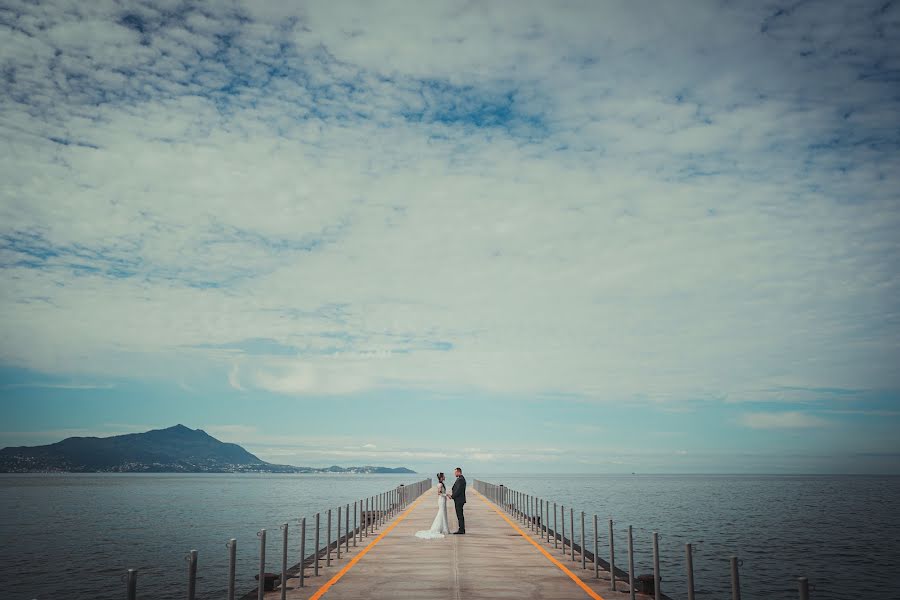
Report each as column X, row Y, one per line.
column 547, row 516
column 612, row 558
column 328, row 539
column 232, row 562
column 318, row 527
column 365, row 519
column 630, row 563
column 689, row 565
column 339, row 515
column 572, row 531
column 302, row 553
column 131, row 584
column 260, row 590
column 656, row 591
column 583, row 544
column 192, row 575
column 284, row 552
column 596, row 550
column 355, row 523
column 802, row 583
column 347, row 528
column 562, row 518
column 735, row 579
column 542, row 520
column 555, row 530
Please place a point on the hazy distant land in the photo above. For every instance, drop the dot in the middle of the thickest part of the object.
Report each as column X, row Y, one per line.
column 177, row 449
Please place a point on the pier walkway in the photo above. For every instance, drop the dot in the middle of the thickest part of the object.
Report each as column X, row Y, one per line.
column 498, row 558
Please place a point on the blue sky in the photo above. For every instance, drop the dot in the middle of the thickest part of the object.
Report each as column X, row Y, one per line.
column 588, row 237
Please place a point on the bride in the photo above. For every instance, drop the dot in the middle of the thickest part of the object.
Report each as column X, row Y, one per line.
column 440, row 525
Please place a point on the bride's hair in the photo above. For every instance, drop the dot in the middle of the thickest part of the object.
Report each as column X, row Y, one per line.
column 440, row 477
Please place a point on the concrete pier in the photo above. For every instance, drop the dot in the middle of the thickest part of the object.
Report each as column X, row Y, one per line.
column 498, row 558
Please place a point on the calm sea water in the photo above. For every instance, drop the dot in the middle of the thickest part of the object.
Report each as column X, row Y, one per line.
column 842, row 532
column 73, row 536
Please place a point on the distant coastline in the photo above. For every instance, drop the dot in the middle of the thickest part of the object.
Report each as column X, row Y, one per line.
column 176, row 449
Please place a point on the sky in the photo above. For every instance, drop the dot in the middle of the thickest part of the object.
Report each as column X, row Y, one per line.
column 587, row 237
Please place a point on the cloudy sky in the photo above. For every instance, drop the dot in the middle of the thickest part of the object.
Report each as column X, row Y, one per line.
column 595, row 237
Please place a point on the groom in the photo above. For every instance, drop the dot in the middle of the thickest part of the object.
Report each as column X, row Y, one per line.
column 458, row 493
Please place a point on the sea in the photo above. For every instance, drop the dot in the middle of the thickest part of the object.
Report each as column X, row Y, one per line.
column 74, row 536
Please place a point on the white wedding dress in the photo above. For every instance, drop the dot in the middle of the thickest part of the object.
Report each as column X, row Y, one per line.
column 440, row 526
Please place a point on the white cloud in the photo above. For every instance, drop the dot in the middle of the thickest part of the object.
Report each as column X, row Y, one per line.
column 781, row 420
column 515, row 202
column 234, row 378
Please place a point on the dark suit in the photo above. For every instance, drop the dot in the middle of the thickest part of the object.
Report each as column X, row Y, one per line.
column 458, row 493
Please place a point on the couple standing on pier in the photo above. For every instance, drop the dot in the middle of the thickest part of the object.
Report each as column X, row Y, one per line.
column 441, row 526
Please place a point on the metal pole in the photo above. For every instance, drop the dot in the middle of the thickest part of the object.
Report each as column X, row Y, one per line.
column 355, row 523
column 543, row 527
column 302, row 552
column 339, row 533
column 583, row 544
column 232, row 560
column 656, row 578
column 131, row 584
column 347, row 528
column 328, row 539
column 735, row 580
column 365, row 519
column 630, row 563
column 192, row 575
column 596, row 550
column 572, row 531
column 562, row 518
column 689, row 562
column 316, row 561
column 555, row 530
column 612, row 558
column 803, row 584
column 547, row 519
column 260, row 590
column 284, row 552
column 539, row 519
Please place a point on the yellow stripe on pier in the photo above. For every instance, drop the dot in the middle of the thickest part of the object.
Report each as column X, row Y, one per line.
column 497, row 559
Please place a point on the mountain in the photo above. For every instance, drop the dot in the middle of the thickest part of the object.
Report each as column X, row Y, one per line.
column 177, row 449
